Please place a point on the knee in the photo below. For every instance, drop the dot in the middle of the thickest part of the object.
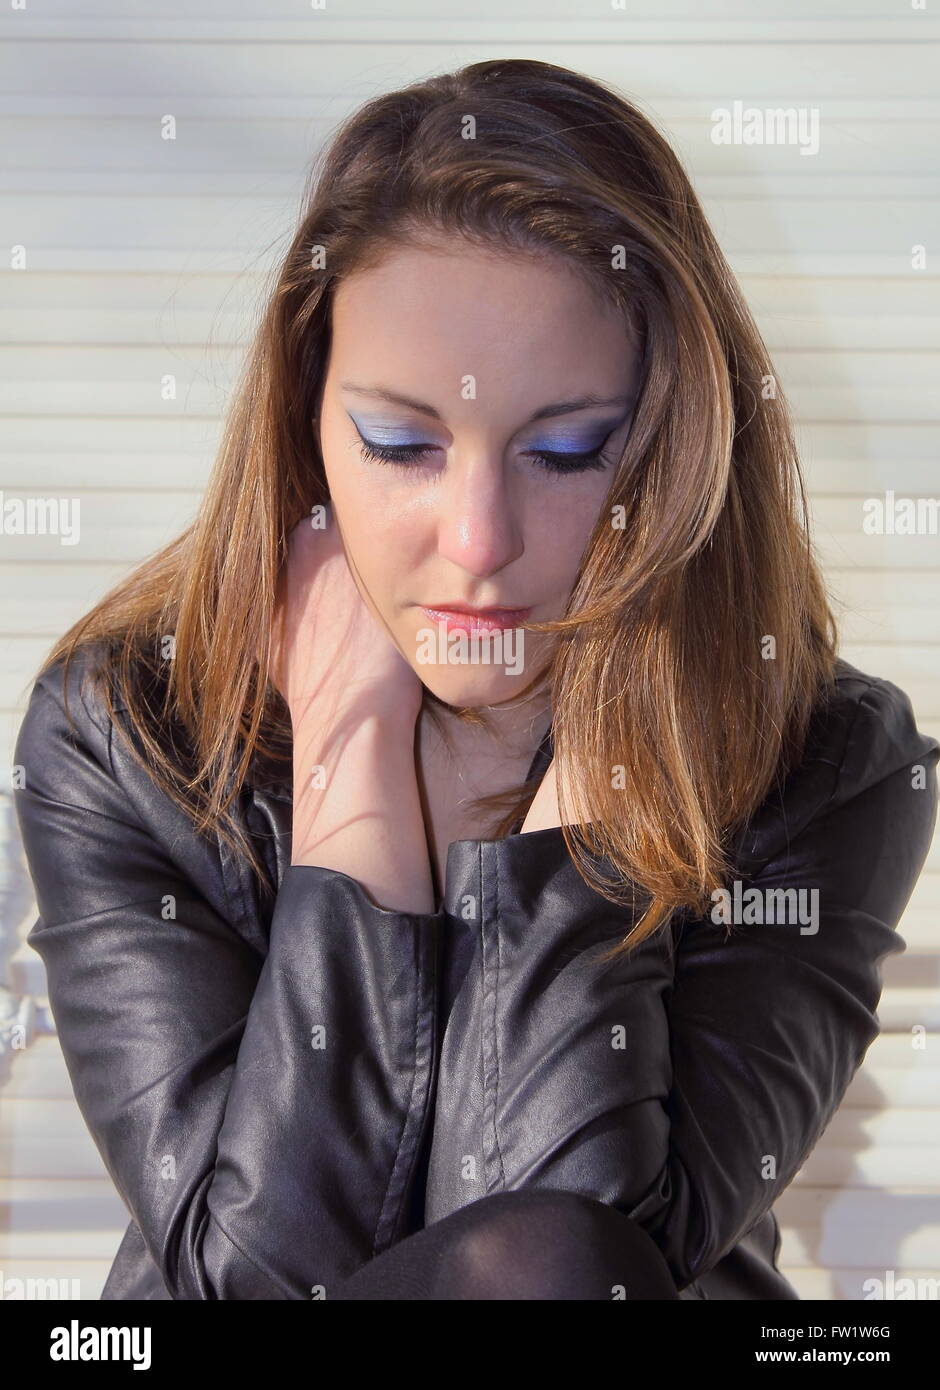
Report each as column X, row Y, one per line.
column 530, row 1222
column 536, row 1244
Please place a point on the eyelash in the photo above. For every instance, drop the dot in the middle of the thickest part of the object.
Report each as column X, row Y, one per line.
column 410, row 455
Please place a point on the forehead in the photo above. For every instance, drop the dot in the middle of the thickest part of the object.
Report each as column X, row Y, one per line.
column 455, row 305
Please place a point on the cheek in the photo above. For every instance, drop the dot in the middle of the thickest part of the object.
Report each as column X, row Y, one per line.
column 564, row 522
column 381, row 539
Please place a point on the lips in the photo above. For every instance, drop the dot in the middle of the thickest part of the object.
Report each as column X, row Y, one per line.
column 468, row 619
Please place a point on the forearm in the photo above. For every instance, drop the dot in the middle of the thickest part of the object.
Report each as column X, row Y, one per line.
column 357, row 809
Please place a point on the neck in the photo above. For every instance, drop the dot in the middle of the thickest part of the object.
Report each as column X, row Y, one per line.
column 513, row 729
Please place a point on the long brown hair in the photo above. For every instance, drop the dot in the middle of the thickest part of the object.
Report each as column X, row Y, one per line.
column 698, row 638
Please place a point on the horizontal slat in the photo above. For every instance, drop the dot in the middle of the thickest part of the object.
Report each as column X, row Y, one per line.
column 885, row 606
column 668, row 108
column 920, row 928
column 667, row 63
column 899, row 663
column 904, row 1008
column 829, row 1285
column 885, row 511
column 229, row 153
column 71, row 1194
column 931, row 727
column 879, row 1168
column 28, row 474
column 859, row 1229
column 38, row 1072
column 113, row 367
column 61, row 1241
column 887, row 228
column 912, row 971
column 895, row 1072
column 233, row 156
column 25, row 972
column 891, row 624
column 883, row 1128
column 41, row 1218
column 872, row 590
column 55, row 597
column 82, row 1279
column 108, row 526
column 926, row 896
column 849, row 440
column 111, row 307
column 141, row 12
column 912, row 668
column 844, row 549
column 806, row 180
column 28, row 1150
column 163, row 434
column 731, row 23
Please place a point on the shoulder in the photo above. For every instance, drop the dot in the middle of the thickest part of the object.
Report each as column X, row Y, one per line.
column 863, row 734
column 76, row 706
column 67, row 705
column 864, row 730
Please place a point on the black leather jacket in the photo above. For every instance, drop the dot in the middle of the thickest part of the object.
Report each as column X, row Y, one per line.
column 280, row 1094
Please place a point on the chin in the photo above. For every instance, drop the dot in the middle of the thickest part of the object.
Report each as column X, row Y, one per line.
column 469, row 674
column 470, row 685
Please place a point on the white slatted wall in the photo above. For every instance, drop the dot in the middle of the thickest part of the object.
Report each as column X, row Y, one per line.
column 147, row 257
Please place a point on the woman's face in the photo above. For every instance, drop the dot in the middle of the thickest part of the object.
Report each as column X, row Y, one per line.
column 464, row 368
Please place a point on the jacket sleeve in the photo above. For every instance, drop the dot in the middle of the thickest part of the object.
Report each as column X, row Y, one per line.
column 258, row 1112
column 687, row 1085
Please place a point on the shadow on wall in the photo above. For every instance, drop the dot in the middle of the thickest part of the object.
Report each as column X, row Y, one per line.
column 22, row 1015
column 839, row 1219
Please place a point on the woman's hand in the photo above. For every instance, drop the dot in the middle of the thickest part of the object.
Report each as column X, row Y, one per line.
column 354, row 702
column 329, row 645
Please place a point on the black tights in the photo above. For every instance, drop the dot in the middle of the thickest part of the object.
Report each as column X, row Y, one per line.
column 525, row 1244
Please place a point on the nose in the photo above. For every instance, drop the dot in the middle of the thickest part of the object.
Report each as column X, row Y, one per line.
column 479, row 520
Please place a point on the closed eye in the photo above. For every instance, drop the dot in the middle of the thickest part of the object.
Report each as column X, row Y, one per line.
column 570, row 463
column 406, row 454
column 411, row 455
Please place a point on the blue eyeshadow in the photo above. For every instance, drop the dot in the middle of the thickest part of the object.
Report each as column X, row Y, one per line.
column 397, row 436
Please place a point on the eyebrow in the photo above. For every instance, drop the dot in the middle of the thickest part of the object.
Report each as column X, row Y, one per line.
column 556, row 408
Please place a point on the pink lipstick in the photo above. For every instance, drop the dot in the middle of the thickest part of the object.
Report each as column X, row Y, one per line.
column 459, row 618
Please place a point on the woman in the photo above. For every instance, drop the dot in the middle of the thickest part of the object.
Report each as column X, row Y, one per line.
column 463, row 863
